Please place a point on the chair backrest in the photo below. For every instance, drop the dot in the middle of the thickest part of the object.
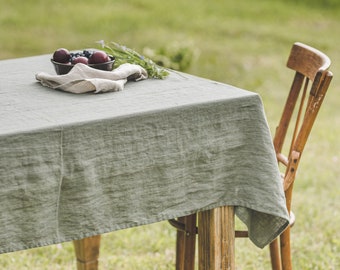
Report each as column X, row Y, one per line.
column 310, row 84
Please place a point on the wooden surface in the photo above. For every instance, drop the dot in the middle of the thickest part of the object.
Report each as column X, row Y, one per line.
column 308, row 89
column 216, row 239
column 216, row 243
column 186, row 243
column 87, row 252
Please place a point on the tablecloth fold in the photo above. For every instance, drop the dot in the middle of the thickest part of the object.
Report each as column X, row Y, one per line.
column 83, row 79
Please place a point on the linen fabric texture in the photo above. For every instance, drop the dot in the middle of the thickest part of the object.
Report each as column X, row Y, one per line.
column 73, row 166
column 83, row 79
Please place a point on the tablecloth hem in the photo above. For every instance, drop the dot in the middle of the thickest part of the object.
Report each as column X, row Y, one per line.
column 160, row 218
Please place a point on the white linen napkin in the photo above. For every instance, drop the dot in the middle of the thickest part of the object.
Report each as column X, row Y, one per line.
column 82, row 78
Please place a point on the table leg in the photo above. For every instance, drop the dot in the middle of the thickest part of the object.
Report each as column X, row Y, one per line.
column 216, row 239
column 87, row 252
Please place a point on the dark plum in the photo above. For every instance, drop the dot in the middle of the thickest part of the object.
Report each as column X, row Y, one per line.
column 99, row 57
column 61, row 55
column 80, row 59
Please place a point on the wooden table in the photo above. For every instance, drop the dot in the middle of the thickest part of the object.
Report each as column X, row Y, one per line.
column 73, row 167
column 216, row 238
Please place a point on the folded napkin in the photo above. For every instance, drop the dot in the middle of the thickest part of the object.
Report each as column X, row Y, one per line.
column 82, row 78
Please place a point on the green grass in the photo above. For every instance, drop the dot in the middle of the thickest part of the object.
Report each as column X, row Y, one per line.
column 243, row 43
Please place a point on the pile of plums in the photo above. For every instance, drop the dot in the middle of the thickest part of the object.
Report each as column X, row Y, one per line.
column 64, row 56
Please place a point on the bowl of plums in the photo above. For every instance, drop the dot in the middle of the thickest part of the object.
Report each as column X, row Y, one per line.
column 64, row 60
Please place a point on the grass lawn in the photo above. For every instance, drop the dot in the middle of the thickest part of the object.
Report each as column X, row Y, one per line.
column 244, row 43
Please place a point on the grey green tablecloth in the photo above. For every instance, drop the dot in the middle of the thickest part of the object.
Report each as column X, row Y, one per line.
column 72, row 166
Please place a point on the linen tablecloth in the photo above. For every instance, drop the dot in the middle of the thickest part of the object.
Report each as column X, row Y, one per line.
column 73, row 166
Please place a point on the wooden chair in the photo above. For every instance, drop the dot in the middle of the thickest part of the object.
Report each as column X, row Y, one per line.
column 306, row 95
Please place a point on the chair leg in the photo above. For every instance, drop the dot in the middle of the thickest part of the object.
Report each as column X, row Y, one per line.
column 180, row 243
column 87, row 252
column 275, row 257
column 285, row 250
column 190, row 242
column 186, row 242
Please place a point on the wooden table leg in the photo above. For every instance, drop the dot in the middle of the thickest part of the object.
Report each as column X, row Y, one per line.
column 87, row 252
column 216, row 239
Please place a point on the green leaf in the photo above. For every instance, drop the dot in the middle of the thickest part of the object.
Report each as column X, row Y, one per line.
column 124, row 54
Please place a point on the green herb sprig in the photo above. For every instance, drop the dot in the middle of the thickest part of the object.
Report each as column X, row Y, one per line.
column 124, row 54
